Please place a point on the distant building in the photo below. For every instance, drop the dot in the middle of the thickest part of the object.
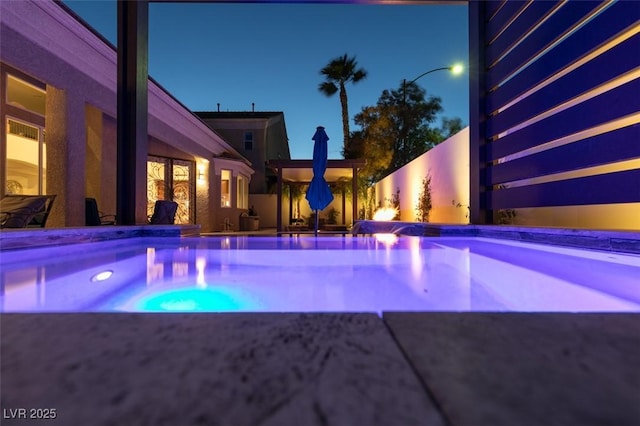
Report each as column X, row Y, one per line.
column 259, row 136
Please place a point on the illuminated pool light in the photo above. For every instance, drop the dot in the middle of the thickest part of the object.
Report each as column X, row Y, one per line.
column 190, row 299
column 101, row 276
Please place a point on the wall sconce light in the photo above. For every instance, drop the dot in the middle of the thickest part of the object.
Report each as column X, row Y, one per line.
column 200, row 175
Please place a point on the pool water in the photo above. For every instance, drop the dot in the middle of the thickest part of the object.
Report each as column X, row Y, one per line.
column 307, row 274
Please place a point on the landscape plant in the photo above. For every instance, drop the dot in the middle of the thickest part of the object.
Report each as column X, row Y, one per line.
column 424, row 205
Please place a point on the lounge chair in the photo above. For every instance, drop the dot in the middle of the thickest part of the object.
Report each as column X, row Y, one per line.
column 25, row 211
column 164, row 213
column 93, row 216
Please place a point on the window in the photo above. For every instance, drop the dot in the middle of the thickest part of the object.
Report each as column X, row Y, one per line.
column 25, row 96
column 26, row 159
column 243, row 192
column 248, row 141
column 25, row 163
column 225, row 188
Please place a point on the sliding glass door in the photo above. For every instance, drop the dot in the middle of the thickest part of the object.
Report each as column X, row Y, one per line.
column 172, row 179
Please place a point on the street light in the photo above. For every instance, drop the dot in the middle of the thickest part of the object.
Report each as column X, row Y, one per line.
column 455, row 70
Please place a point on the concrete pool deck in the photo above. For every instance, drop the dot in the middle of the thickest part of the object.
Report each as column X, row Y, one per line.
column 322, row 369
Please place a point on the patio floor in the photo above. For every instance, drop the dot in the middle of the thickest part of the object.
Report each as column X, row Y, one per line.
column 322, row 369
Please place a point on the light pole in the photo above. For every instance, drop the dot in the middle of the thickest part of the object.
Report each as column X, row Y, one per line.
column 455, row 69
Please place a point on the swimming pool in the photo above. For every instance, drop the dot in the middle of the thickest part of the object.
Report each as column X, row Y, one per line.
column 325, row 274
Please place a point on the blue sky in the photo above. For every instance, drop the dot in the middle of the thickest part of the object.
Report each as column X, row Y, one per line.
column 271, row 54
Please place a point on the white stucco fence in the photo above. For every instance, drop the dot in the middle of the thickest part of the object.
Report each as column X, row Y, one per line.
column 448, row 166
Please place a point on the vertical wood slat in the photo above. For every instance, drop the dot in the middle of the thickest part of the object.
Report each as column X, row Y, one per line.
column 479, row 12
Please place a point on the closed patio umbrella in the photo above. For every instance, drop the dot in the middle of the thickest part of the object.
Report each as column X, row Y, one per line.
column 318, row 194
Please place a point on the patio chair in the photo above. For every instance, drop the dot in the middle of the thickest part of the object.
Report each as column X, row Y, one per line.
column 164, row 213
column 94, row 217
column 25, row 211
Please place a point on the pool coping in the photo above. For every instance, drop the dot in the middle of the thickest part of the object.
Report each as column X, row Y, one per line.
column 603, row 240
column 606, row 240
column 11, row 239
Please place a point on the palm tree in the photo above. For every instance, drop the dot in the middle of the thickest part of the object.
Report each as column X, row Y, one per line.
column 338, row 72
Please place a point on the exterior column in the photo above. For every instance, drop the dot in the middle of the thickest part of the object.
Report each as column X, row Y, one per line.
column 109, row 172
column 279, row 201
column 343, row 192
column 354, row 191
column 65, row 157
column 478, row 213
column 290, row 203
column 133, row 75
column 202, row 200
column 94, row 158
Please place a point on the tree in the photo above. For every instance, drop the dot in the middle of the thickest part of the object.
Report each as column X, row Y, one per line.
column 338, row 72
column 449, row 127
column 373, row 143
column 396, row 130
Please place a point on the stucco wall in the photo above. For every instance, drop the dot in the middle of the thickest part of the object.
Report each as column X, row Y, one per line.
column 448, row 166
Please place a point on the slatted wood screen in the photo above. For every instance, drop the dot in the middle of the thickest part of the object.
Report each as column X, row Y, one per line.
column 555, row 114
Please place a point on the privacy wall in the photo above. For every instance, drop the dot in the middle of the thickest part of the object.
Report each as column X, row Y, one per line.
column 555, row 112
column 447, row 165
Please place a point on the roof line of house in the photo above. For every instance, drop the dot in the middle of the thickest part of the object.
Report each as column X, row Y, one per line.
column 102, row 38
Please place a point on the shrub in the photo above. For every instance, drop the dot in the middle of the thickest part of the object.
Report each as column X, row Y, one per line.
column 424, row 206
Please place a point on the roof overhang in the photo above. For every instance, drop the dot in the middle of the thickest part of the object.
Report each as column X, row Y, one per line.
column 301, row 171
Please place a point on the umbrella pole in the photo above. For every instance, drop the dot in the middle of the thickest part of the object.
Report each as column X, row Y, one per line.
column 316, row 233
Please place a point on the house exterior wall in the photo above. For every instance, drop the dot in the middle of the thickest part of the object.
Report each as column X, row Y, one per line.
column 233, row 130
column 226, row 218
column 269, row 140
column 44, row 42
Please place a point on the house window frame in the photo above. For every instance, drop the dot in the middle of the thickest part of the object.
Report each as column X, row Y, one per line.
column 41, row 160
column 28, row 82
column 242, row 189
column 248, row 141
column 166, row 185
column 225, row 196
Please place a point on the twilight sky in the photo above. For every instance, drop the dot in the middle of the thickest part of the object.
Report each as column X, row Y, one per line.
column 271, row 54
